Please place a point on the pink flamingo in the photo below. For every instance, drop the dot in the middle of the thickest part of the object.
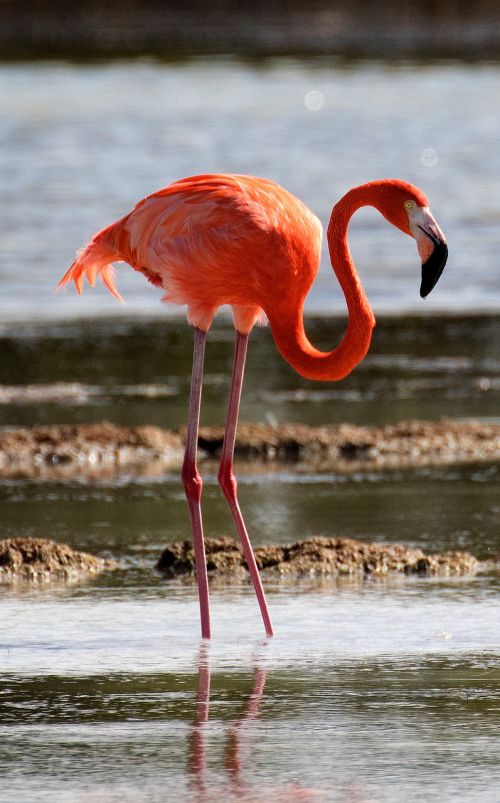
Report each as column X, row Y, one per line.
column 227, row 239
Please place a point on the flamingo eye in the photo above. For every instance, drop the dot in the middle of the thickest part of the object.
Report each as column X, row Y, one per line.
column 409, row 205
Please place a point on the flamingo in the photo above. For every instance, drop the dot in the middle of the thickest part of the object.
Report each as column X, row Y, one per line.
column 218, row 239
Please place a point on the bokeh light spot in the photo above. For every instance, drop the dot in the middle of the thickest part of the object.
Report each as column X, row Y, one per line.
column 429, row 157
column 314, row 100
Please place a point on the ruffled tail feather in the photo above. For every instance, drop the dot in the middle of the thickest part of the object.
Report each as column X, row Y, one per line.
column 95, row 260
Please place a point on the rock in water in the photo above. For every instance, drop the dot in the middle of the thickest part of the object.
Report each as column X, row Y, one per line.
column 317, row 556
column 41, row 560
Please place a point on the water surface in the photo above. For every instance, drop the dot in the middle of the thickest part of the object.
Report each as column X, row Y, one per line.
column 371, row 691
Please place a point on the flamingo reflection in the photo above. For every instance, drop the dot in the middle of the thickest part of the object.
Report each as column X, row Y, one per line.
column 197, row 750
column 235, row 788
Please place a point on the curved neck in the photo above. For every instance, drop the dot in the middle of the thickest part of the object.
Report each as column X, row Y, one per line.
column 288, row 329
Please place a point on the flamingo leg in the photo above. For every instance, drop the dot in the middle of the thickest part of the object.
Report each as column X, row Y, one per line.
column 192, row 480
column 227, row 479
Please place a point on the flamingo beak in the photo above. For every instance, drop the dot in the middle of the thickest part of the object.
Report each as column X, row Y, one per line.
column 432, row 248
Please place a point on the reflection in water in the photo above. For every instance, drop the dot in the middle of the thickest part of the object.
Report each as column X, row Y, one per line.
column 197, row 750
column 235, row 788
column 233, row 758
column 354, row 727
column 375, row 691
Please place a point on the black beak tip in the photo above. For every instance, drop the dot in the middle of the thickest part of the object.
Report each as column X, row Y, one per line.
column 433, row 268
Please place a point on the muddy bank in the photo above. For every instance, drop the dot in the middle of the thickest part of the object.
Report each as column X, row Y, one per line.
column 105, row 450
column 347, row 447
column 318, row 556
column 40, row 560
column 87, row 450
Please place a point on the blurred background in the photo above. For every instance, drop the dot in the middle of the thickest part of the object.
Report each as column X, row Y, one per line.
column 102, row 104
column 359, row 28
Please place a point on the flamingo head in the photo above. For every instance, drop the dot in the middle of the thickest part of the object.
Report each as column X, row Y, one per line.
column 407, row 208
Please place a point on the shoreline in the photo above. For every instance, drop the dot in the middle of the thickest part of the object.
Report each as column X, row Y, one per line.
column 223, row 320
column 383, row 31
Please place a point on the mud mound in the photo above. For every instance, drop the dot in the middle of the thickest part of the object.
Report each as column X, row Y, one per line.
column 347, row 447
column 318, row 556
column 41, row 560
column 104, row 450
column 90, row 450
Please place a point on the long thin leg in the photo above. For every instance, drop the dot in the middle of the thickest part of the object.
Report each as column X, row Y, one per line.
column 227, row 479
column 192, row 480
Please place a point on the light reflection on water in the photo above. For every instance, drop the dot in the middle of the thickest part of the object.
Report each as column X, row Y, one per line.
column 317, row 623
column 363, row 695
column 374, row 691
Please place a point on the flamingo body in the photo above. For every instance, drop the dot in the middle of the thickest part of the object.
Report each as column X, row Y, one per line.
column 218, row 239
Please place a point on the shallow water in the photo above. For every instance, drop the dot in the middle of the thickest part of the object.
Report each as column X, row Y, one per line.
column 380, row 691
column 131, row 371
column 370, row 691
column 367, row 693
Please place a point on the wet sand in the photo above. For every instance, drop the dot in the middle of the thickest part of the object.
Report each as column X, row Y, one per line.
column 40, row 560
column 317, row 557
column 94, row 451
